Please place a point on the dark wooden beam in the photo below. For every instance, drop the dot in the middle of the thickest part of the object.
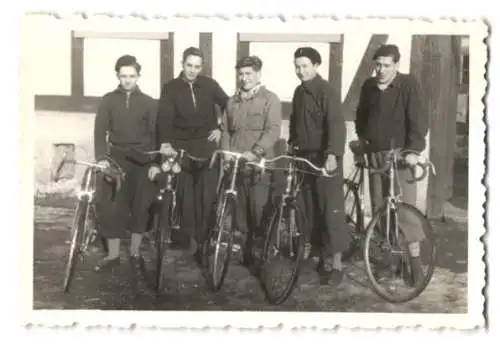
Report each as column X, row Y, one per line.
column 242, row 50
column 434, row 65
column 206, row 48
column 335, row 68
column 77, row 83
column 363, row 72
column 167, row 59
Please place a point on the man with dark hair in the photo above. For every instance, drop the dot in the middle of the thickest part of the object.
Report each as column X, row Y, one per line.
column 390, row 113
column 187, row 119
column 252, row 125
column 317, row 133
column 127, row 117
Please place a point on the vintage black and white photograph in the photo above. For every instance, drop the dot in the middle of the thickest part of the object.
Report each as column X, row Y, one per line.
column 306, row 165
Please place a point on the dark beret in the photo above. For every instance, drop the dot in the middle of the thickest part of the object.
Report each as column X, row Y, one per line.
column 127, row 60
column 250, row 61
column 310, row 53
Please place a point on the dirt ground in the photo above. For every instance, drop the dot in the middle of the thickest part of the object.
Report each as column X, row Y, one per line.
column 185, row 287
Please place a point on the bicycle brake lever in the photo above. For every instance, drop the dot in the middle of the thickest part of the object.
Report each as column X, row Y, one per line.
column 413, row 172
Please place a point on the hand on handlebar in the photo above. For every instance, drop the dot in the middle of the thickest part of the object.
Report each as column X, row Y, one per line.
column 168, row 150
column 153, row 172
column 331, row 163
column 104, row 163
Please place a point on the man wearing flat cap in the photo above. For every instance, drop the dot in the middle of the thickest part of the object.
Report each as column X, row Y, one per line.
column 251, row 125
column 318, row 133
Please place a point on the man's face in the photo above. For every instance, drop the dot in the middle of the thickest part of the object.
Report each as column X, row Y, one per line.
column 192, row 67
column 128, row 76
column 248, row 78
column 385, row 69
column 305, row 69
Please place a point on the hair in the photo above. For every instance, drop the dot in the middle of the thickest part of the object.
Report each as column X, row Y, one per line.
column 127, row 60
column 391, row 50
column 310, row 53
column 192, row 51
column 250, row 61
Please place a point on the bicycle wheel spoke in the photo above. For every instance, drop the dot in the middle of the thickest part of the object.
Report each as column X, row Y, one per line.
column 399, row 270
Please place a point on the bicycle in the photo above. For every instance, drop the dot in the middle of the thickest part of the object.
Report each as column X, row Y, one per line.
column 384, row 230
column 220, row 236
column 165, row 206
column 82, row 234
column 285, row 237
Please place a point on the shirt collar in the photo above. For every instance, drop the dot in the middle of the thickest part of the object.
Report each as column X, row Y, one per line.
column 395, row 83
column 195, row 82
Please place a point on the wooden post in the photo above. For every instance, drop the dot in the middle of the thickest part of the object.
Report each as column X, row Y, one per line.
column 435, row 67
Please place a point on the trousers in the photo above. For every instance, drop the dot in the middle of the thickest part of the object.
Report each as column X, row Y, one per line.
column 323, row 203
column 379, row 189
column 126, row 210
column 196, row 187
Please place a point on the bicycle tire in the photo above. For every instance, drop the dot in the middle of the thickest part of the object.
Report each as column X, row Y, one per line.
column 77, row 232
column 272, row 230
column 355, row 225
column 224, row 209
column 162, row 236
column 426, row 226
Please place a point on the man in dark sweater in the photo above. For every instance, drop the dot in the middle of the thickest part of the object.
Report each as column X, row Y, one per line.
column 126, row 117
column 390, row 111
column 187, row 119
column 318, row 133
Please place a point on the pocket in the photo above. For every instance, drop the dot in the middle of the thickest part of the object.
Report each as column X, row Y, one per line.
column 254, row 121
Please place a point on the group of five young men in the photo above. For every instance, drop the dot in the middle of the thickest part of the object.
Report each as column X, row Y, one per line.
column 187, row 117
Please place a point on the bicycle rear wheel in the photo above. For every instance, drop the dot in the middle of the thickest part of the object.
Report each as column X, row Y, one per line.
column 77, row 236
column 354, row 218
column 217, row 248
column 283, row 251
column 388, row 261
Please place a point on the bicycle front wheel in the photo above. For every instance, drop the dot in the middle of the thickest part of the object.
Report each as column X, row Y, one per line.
column 162, row 229
column 217, row 248
column 283, row 251
column 394, row 273
column 77, row 237
column 354, row 218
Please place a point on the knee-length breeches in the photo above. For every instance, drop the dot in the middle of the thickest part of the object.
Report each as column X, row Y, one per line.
column 126, row 209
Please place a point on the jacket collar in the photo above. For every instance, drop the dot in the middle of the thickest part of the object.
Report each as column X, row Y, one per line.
column 195, row 82
column 120, row 89
column 242, row 95
column 313, row 85
column 395, row 83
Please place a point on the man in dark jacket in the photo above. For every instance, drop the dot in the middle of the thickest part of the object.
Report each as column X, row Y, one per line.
column 390, row 112
column 126, row 117
column 187, row 119
column 318, row 133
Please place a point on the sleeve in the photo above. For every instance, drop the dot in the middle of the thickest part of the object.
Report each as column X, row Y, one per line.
column 166, row 113
column 417, row 121
column 220, row 97
column 362, row 113
column 272, row 127
column 335, row 123
column 101, row 128
column 225, row 136
column 291, row 122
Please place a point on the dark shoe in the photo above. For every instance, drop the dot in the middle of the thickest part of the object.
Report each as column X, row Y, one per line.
column 106, row 265
column 336, row 277
column 137, row 262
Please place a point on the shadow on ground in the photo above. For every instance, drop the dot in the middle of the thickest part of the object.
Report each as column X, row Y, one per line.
column 185, row 288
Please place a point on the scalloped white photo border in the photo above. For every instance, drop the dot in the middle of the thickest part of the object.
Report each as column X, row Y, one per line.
column 477, row 31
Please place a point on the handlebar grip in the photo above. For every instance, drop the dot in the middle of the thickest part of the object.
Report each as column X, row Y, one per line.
column 422, row 176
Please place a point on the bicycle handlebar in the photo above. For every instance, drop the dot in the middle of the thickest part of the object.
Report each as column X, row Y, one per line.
column 399, row 155
column 180, row 153
column 237, row 155
column 262, row 164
